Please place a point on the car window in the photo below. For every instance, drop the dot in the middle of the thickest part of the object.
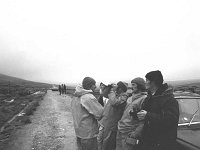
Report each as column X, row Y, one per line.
column 187, row 108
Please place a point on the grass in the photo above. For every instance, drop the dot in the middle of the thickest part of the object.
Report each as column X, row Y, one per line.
column 27, row 105
column 16, row 94
column 8, row 110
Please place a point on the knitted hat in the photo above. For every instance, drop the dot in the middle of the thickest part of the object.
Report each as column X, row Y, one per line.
column 122, row 85
column 155, row 76
column 88, row 82
column 140, row 83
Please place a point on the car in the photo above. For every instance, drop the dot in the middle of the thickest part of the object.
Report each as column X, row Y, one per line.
column 188, row 133
column 54, row 88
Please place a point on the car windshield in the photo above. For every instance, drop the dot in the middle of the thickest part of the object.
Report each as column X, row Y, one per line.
column 189, row 110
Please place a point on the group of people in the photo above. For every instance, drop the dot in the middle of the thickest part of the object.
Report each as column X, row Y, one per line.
column 146, row 120
column 62, row 89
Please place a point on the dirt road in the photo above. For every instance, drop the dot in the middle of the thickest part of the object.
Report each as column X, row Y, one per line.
column 51, row 127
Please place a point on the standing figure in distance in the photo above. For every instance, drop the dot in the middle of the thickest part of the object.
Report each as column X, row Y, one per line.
column 59, row 88
column 64, row 88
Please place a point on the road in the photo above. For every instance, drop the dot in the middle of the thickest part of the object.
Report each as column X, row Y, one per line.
column 51, row 127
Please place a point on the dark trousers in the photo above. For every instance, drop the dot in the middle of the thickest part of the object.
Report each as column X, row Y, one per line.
column 109, row 143
column 87, row 144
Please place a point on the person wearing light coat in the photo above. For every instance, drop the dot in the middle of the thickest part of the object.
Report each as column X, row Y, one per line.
column 86, row 111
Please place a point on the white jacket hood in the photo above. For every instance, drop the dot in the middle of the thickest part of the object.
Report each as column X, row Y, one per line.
column 79, row 91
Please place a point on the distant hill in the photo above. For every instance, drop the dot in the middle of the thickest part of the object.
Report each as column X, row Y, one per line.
column 5, row 80
column 186, row 85
column 194, row 82
column 183, row 85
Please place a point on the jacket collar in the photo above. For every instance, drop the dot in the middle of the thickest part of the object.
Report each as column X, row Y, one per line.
column 136, row 96
column 79, row 91
column 162, row 91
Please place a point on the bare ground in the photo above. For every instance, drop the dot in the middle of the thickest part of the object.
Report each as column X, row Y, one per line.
column 51, row 127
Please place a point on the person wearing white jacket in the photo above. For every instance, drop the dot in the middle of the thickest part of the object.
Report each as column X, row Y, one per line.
column 86, row 110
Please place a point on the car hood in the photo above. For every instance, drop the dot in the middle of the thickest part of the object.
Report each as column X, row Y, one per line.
column 189, row 136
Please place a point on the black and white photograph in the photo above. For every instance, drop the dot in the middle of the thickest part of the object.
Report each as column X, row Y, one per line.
column 99, row 75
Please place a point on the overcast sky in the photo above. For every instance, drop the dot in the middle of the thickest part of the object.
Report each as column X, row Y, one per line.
column 66, row 40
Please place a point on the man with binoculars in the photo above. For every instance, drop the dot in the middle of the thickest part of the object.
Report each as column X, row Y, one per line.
column 113, row 111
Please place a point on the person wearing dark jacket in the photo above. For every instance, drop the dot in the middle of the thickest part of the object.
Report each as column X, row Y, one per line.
column 113, row 111
column 65, row 89
column 59, row 88
column 160, row 111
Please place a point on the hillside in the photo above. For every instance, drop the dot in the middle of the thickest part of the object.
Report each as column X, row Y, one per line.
column 185, row 82
column 5, row 80
column 12, row 86
column 16, row 95
column 186, row 85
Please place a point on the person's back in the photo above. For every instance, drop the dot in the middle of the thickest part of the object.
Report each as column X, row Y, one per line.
column 84, row 121
column 86, row 110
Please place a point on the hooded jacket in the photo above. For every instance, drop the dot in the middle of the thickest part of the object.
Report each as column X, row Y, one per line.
column 86, row 110
column 161, row 121
column 127, row 123
column 113, row 111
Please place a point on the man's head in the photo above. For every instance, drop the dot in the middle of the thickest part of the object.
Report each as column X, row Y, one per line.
column 105, row 89
column 89, row 83
column 154, row 79
column 121, row 87
column 138, row 85
column 101, row 87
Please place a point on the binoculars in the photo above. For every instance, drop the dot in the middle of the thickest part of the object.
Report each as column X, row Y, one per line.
column 134, row 112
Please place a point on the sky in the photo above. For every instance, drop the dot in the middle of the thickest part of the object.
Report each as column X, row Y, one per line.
column 67, row 40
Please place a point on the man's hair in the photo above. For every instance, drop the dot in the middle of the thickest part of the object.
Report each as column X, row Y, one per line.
column 156, row 77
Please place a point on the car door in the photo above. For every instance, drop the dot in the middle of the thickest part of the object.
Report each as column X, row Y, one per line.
column 188, row 134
